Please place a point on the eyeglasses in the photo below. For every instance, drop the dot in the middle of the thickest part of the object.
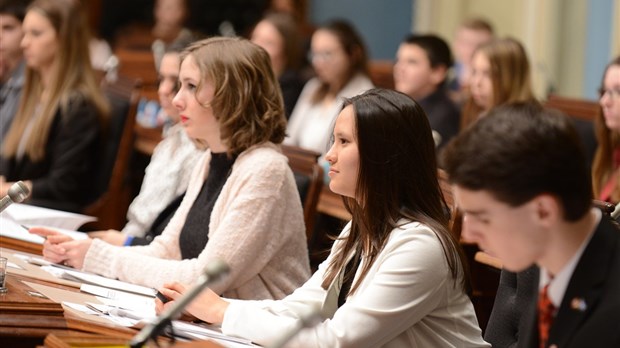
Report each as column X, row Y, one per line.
column 613, row 93
column 322, row 56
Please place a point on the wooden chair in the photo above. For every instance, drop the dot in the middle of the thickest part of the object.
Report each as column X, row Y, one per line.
column 111, row 206
column 583, row 113
column 309, row 178
column 380, row 72
column 138, row 64
column 578, row 108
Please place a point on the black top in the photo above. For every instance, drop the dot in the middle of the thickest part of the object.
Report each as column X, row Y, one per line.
column 443, row 115
column 63, row 178
column 195, row 233
column 291, row 84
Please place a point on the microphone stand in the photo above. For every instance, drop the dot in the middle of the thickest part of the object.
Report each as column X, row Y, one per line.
column 213, row 273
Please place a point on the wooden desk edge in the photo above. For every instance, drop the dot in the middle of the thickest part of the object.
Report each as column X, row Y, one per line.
column 488, row 260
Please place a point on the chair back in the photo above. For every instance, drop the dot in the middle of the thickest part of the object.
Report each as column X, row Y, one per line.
column 309, row 179
column 582, row 113
column 113, row 193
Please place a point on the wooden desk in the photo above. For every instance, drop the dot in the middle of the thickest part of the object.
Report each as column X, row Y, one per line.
column 28, row 320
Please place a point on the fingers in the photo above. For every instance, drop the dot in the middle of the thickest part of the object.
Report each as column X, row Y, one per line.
column 54, row 252
column 97, row 234
column 176, row 287
column 43, row 231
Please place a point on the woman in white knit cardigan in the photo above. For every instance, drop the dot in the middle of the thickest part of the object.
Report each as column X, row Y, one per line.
column 242, row 190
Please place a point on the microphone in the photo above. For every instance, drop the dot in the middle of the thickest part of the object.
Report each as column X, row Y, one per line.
column 616, row 212
column 16, row 194
column 437, row 138
column 213, row 273
column 309, row 318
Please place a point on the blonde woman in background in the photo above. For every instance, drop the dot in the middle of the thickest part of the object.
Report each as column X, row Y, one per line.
column 500, row 74
column 54, row 138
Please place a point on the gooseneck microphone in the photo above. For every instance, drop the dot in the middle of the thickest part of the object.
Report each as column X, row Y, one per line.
column 213, row 273
column 16, row 194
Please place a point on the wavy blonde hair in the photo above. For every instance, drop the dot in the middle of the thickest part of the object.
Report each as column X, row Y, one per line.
column 72, row 79
column 510, row 77
column 247, row 101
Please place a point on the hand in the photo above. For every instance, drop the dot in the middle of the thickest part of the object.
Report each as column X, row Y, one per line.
column 60, row 248
column 113, row 237
column 208, row 306
column 4, row 186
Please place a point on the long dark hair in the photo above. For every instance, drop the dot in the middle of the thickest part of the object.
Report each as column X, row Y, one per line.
column 397, row 179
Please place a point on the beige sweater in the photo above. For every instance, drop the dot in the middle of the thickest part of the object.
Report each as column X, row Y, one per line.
column 256, row 227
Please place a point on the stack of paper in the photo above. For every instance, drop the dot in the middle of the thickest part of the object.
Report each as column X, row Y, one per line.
column 17, row 218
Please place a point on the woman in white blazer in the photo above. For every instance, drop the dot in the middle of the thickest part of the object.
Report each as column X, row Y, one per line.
column 395, row 276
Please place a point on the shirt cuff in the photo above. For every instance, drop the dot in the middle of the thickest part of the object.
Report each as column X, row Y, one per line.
column 128, row 241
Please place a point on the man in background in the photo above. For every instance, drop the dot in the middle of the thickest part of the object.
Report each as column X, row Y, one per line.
column 12, row 14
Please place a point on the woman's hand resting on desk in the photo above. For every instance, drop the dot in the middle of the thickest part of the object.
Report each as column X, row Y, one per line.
column 60, row 248
column 208, row 306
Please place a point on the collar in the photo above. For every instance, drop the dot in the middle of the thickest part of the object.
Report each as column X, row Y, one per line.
column 559, row 283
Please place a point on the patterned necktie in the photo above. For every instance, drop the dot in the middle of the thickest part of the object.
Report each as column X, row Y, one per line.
column 545, row 316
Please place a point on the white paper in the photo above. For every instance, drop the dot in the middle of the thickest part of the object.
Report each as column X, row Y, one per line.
column 202, row 332
column 109, row 283
column 118, row 295
column 122, row 321
column 30, row 215
column 16, row 230
column 12, row 229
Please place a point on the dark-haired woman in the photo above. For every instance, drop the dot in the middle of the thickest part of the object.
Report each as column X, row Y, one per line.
column 394, row 277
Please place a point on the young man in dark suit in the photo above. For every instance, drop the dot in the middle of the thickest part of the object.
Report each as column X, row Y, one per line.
column 520, row 179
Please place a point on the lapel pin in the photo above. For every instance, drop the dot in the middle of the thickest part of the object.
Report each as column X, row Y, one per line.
column 578, row 304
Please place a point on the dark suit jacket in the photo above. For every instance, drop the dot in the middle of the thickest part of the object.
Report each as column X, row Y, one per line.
column 443, row 115
column 63, row 178
column 596, row 281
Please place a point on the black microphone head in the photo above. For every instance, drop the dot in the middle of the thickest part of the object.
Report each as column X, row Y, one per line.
column 18, row 192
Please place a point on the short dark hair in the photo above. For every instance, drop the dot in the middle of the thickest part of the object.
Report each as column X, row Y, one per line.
column 15, row 8
column 437, row 49
column 519, row 151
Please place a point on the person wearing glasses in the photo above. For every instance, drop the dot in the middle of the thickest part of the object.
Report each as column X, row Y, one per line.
column 338, row 56
column 167, row 175
column 606, row 166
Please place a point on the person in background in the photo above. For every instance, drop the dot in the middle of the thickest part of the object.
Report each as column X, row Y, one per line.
column 339, row 59
column 605, row 169
column 500, row 74
column 277, row 33
column 241, row 206
column 472, row 33
column 395, row 276
column 167, row 175
column 420, row 71
column 54, row 138
column 12, row 64
column 520, row 178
